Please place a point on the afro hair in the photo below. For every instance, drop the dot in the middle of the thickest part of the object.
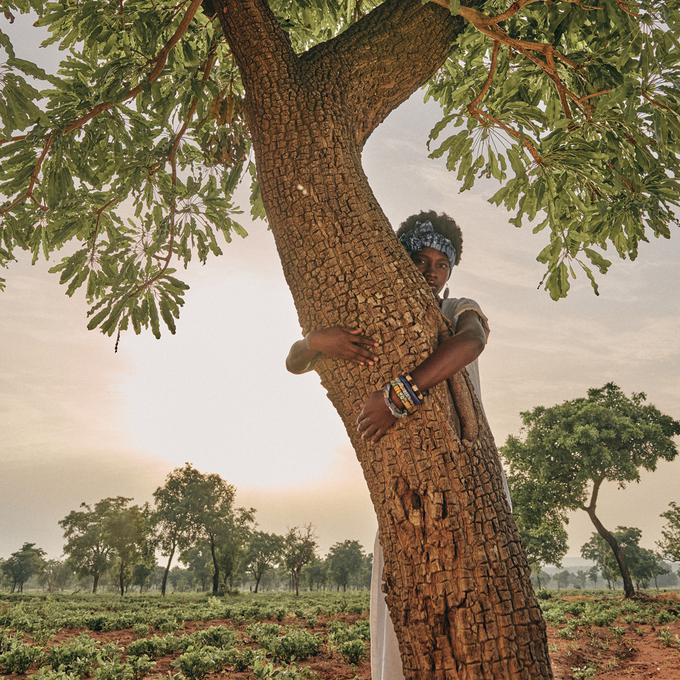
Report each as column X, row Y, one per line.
column 442, row 223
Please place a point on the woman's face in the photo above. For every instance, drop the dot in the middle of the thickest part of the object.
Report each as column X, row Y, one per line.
column 434, row 266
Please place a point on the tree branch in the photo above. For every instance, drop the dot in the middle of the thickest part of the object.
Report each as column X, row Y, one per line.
column 549, row 55
column 384, row 57
column 260, row 46
column 590, row 508
column 158, row 65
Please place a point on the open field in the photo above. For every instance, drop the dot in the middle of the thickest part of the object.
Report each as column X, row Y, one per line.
column 277, row 636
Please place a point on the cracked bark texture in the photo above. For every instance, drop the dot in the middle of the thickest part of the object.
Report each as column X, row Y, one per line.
column 456, row 578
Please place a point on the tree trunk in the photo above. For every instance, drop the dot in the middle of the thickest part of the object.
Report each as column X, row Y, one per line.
column 257, row 581
column 628, row 588
column 457, row 582
column 95, row 582
column 121, row 579
column 216, row 568
column 164, row 583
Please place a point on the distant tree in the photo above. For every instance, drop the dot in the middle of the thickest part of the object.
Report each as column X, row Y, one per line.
column 128, row 534
column 540, row 523
column 580, row 578
column 184, row 579
column 658, row 568
column 22, row 564
column 198, row 559
column 598, row 550
column 87, row 551
column 642, row 564
column 316, row 574
column 668, row 578
column 174, row 514
column 563, row 578
column 539, row 577
column 594, row 575
column 218, row 523
column 264, row 551
column 232, row 544
column 141, row 574
column 56, row 575
column 578, row 445
column 299, row 550
column 344, row 561
column 670, row 534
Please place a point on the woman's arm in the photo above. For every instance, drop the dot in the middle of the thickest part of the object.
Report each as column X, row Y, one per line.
column 450, row 356
column 336, row 342
column 453, row 353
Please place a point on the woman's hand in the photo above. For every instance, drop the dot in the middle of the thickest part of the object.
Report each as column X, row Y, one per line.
column 342, row 343
column 375, row 418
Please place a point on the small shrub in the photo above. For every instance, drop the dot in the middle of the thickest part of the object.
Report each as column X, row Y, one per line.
column 239, row 659
column 140, row 629
column 19, row 657
column 51, row 674
column 583, row 672
column 140, row 666
column 259, row 631
column 77, row 656
column 153, row 647
column 544, row 594
column 295, row 645
column 215, row 636
column 353, row 651
column 667, row 639
column 262, row 670
column 112, row 670
column 196, row 663
column 97, row 622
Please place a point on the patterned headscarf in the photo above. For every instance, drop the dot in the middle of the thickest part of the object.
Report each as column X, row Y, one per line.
column 425, row 236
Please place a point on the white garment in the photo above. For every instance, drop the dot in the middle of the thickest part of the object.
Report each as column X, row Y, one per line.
column 385, row 657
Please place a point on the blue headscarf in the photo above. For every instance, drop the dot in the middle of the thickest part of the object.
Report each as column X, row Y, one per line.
column 425, row 236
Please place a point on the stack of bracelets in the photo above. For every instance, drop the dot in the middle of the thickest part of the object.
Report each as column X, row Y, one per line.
column 408, row 392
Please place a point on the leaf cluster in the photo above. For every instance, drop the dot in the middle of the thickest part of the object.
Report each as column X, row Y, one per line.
column 596, row 173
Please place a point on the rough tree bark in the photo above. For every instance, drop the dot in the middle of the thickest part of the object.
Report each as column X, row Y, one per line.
column 456, row 579
column 628, row 589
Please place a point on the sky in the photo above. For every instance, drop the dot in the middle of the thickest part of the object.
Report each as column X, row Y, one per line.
column 80, row 422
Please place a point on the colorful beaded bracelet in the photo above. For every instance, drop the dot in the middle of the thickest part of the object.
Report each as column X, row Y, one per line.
column 405, row 388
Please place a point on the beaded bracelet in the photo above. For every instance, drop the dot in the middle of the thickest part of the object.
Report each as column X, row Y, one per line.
column 406, row 399
column 405, row 388
column 394, row 409
column 420, row 395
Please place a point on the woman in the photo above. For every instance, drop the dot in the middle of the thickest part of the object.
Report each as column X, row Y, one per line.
column 434, row 242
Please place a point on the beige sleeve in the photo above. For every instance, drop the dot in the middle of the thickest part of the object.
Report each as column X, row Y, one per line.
column 467, row 305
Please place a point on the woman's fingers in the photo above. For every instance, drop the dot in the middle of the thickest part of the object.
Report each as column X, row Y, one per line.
column 362, row 353
column 358, row 336
column 370, row 432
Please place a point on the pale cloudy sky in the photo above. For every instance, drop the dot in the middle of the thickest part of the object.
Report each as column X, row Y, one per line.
column 79, row 422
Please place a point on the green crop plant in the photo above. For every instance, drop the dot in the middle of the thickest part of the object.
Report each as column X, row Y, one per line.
column 19, row 657
column 353, row 651
column 296, row 644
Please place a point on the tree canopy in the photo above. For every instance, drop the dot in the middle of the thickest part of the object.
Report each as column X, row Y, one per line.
column 132, row 150
column 23, row 564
